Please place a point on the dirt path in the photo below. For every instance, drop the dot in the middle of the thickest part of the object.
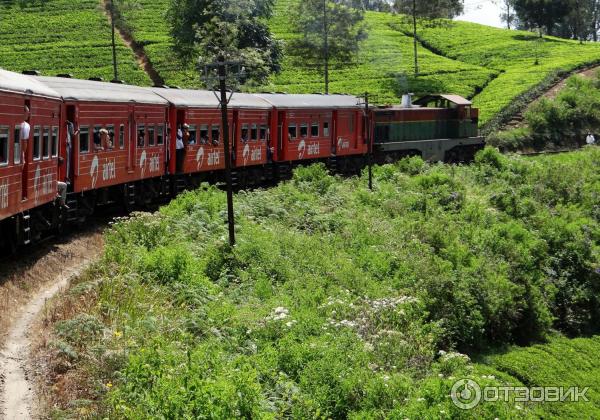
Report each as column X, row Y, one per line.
column 138, row 50
column 518, row 119
column 51, row 273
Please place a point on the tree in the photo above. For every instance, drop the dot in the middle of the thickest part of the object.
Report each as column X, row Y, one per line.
column 427, row 11
column 508, row 15
column 541, row 14
column 581, row 22
column 331, row 31
column 235, row 29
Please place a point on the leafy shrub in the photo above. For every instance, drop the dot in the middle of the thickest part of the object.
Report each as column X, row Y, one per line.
column 80, row 329
column 511, row 140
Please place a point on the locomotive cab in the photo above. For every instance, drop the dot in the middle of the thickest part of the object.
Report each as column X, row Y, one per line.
column 435, row 127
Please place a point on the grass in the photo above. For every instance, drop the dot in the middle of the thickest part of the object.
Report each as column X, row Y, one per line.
column 59, row 36
column 494, row 66
column 338, row 302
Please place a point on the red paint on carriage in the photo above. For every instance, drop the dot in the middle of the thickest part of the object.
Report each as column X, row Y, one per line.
column 28, row 169
column 200, row 110
column 312, row 127
column 136, row 120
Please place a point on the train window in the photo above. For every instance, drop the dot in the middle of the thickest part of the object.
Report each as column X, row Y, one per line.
column 193, row 130
column 54, row 141
column 122, row 136
column 216, row 134
column 141, row 135
column 303, row 130
column 160, row 135
column 46, row 143
column 314, row 129
column 292, row 132
column 244, row 133
column 263, row 132
column 84, row 139
column 254, row 132
column 4, row 145
column 37, row 143
column 97, row 138
column 151, row 137
column 110, row 142
column 326, row 129
column 204, row 133
column 17, row 145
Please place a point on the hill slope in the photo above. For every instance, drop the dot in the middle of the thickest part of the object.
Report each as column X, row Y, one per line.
column 513, row 54
column 58, row 36
column 493, row 66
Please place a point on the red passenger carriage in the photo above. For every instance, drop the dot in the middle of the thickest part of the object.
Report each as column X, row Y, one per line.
column 316, row 127
column 104, row 168
column 204, row 153
column 28, row 168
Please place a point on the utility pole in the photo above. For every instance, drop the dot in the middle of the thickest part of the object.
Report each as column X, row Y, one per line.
column 220, row 67
column 114, row 47
column 369, row 141
column 326, row 34
column 222, row 71
column 415, row 36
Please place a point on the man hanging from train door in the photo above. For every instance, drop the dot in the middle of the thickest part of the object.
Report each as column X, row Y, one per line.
column 24, row 133
column 71, row 134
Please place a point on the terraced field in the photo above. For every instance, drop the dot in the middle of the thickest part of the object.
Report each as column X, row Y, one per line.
column 62, row 36
column 511, row 53
column 384, row 66
column 561, row 363
column 493, row 66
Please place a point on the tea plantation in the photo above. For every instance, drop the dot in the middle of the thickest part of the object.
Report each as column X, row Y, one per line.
column 339, row 302
column 62, row 36
column 493, row 66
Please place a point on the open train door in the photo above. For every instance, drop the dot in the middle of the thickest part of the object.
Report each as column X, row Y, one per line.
column 26, row 147
column 131, row 141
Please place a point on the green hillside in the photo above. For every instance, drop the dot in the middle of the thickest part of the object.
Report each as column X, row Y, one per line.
column 493, row 66
column 62, row 36
column 561, row 363
column 512, row 54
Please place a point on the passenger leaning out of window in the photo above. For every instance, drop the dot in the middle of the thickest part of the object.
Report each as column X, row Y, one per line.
column 105, row 141
column 24, row 133
column 180, row 148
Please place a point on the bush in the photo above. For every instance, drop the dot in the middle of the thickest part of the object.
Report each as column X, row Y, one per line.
column 510, row 140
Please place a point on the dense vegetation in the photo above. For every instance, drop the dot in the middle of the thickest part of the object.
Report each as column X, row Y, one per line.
column 56, row 36
column 338, row 301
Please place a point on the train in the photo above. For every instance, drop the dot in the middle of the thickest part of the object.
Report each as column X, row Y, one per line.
column 109, row 143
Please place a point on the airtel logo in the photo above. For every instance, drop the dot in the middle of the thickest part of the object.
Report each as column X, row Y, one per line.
column 311, row 149
column 4, row 195
column 254, row 155
column 343, row 144
column 42, row 183
column 109, row 170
